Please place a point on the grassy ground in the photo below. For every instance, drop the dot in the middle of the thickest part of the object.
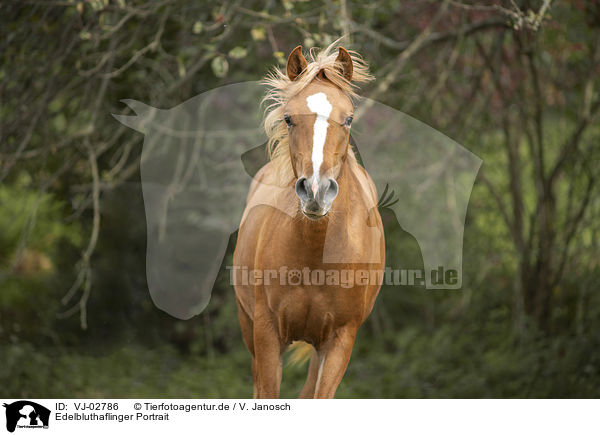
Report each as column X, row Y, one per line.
column 409, row 364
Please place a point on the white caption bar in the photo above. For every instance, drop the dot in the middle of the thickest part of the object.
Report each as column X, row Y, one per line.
column 155, row 416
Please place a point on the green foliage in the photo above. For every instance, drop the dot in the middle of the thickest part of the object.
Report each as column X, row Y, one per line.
column 32, row 218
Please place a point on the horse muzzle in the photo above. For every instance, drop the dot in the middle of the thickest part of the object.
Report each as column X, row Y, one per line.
column 316, row 195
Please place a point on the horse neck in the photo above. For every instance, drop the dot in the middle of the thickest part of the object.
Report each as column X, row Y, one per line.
column 350, row 198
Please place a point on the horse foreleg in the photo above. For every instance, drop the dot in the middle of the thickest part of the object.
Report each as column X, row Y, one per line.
column 268, row 351
column 334, row 358
column 247, row 327
column 308, row 391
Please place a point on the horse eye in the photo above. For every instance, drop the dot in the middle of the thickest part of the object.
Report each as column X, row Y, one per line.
column 288, row 120
column 348, row 121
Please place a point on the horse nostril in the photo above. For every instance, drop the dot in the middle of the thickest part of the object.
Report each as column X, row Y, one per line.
column 332, row 190
column 302, row 189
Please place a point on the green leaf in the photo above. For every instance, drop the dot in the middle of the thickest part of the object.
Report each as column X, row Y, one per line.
column 238, row 53
column 59, row 122
column 198, row 27
column 258, row 33
column 220, row 66
column 180, row 66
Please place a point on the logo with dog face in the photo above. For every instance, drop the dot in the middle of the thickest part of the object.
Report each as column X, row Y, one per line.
column 26, row 414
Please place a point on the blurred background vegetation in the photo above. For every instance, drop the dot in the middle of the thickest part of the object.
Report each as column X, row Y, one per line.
column 516, row 82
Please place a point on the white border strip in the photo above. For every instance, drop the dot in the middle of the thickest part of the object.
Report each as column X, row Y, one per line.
column 241, row 416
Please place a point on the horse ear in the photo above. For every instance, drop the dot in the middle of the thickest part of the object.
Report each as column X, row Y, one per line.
column 296, row 63
column 344, row 62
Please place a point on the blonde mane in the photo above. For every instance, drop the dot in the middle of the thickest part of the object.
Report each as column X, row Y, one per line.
column 281, row 89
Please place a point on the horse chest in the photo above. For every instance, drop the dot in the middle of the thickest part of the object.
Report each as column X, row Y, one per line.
column 313, row 313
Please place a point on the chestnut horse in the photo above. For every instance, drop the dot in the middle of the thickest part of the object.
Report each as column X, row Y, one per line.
column 311, row 210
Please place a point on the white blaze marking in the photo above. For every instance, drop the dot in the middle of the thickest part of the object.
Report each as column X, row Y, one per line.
column 319, row 104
